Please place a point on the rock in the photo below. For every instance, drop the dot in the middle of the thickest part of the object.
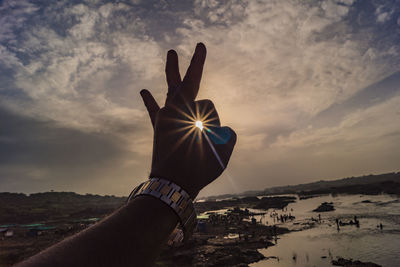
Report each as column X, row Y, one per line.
column 274, row 202
column 366, row 201
column 324, row 207
column 351, row 263
column 233, row 256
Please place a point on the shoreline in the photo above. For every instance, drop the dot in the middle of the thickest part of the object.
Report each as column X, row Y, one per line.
column 233, row 238
column 234, row 244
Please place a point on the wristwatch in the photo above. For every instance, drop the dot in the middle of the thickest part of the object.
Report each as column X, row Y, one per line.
column 177, row 199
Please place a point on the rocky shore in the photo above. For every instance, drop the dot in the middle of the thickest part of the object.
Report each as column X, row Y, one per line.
column 230, row 239
column 351, row 263
column 233, row 243
column 272, row 202
column 228, row 233
column 324, row 207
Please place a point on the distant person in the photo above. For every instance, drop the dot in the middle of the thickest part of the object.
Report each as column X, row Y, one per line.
column 356, row 221
column 134, row 234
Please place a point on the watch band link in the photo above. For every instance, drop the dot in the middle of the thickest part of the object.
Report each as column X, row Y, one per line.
column 176, row 198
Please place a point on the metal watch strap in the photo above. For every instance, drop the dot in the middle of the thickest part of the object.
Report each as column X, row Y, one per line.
column 176, row 198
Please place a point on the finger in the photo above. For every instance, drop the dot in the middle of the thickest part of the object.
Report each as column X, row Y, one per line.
column 224, row 149
column 220, row 135
column 221, row 142
column 191, row 81
column 173, row 76
column 232, row 140
column 172, row 69
column 151, row 105
column 205, row 112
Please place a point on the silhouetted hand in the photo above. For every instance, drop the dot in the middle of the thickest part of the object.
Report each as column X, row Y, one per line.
column 183, row 153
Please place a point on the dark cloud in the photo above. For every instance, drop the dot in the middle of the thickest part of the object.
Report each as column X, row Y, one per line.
column 33, row 150
column 30, row 141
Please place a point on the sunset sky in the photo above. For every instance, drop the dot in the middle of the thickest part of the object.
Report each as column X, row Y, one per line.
column 312, row 89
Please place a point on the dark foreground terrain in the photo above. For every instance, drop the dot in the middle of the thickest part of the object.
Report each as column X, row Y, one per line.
column 40, row 220
column 28, row 224
column 31, row 223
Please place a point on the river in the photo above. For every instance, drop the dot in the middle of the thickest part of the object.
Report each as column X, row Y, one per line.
column 316, row 246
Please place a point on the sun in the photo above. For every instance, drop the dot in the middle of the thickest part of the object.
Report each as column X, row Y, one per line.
column 196, row 119
column 199, row 124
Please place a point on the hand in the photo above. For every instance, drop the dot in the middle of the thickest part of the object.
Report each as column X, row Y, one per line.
column 183, row 153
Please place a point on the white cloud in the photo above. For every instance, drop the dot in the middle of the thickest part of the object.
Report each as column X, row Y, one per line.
column 364, row 125
column 281, row 58
column 14, row 15
column 67, row 76
column 272, row 66
column 382, row 15
column 281, row 63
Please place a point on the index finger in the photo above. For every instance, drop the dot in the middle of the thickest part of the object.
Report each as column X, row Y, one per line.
column 191, row 81
column 172, row 69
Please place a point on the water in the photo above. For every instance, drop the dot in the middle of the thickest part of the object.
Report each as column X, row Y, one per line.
column 322, row 243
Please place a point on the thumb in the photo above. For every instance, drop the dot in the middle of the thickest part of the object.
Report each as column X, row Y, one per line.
column 151, row 105
column 224, row 140
column 222, row 135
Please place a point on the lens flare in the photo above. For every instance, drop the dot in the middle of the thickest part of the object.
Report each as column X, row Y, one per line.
column 199, row 124
column 201, row 119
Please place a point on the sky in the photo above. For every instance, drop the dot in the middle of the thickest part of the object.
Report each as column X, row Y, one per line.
column 312, row 89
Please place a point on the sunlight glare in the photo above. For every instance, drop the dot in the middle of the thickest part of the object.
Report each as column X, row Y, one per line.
column 199, row 125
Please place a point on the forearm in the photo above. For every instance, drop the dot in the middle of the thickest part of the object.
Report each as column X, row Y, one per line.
column 131, row 236
column 134, row 235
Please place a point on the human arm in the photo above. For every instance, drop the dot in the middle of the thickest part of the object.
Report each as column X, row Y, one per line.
column 131, row 236
column 134, row 235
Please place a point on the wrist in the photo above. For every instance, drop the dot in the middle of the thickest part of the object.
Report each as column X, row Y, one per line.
column 183, row 182
column 176, row 198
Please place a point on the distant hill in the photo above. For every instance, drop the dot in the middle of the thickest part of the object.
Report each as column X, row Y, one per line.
column 349, row 181
column 332, row 186
column 12, row 204
column 21, row 208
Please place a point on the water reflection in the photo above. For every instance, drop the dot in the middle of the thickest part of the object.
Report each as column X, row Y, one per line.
column 322, row 243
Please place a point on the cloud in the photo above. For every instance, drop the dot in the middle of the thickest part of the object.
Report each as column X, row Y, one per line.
column 68, row 77
column 362, row 126
column 285, row 52
column 294, row 78
column 279, row 65
column 40, row 155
